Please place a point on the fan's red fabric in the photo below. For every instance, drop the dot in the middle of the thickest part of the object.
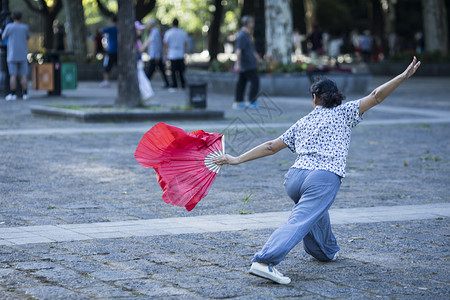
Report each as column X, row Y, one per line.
column 178, row 159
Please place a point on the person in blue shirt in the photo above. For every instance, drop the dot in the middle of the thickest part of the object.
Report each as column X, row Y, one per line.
column 17, row 35
column 111, row 52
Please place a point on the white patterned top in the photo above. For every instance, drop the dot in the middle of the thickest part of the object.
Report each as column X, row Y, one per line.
column 321, row 138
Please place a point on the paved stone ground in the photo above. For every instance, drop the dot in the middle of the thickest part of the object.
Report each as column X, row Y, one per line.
column 61, row 172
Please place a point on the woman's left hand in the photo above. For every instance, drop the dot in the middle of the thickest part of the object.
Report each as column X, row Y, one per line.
column 225, row 159
column 412, row 68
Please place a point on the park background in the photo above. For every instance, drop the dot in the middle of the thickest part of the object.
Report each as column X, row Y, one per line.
column 399, row 29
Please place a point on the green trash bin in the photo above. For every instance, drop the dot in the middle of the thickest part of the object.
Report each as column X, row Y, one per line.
column 69, row 76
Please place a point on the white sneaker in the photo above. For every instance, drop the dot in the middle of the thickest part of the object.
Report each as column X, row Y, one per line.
column 11, row 97
column 335, row 257
column 25, row 97
column 104, row 84
column 268, row 272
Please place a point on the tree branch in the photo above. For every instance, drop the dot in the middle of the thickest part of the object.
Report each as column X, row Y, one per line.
column 44, row 7
column 32, row 7
column 104, row 10
column 56, row 8
column 143, row 8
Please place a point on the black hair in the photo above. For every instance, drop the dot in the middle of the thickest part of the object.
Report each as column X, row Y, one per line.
column 17, row 15
column 246, row 19
column 113, row 18
column 327, row 92
column 175, row 22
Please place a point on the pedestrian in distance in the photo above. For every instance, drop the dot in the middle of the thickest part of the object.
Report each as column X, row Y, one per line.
column 110, row 59
column 366, row 41
column 145, row 87
column 321, row 139
column 154, row 47
column 316, row 42
column 246, row 65
column 98, row 42
column 17, row 35
column 175, row 45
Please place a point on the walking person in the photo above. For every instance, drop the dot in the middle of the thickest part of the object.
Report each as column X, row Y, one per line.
column 17, row 35
column 145, row 87
column 111, row 52
column 246, row 65
column 175, row 45
column 321, row 139
column 154, row 48
column 98, row 42
column 316, row 40
column 366, row 45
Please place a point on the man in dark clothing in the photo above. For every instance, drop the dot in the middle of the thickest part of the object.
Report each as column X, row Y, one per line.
column 246, row 65
column 316, row 40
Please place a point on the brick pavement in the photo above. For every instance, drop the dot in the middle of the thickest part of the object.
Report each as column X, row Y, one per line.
column 63, row 181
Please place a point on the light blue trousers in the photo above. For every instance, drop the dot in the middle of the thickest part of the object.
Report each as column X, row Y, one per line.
column 313, row 191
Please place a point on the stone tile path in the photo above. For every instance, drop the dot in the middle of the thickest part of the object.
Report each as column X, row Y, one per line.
column 206, row 224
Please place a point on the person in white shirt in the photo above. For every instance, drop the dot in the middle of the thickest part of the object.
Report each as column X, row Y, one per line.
column 154, row 47
column 321, row 139
column 175, row 46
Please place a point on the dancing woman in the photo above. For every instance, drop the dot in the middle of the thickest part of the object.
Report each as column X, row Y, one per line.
column 321, row 140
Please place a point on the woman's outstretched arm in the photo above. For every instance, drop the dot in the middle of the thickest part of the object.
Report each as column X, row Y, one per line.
column 381, row 92
column 265, row 149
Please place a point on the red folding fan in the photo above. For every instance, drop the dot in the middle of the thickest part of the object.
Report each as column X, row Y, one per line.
column 182, row 162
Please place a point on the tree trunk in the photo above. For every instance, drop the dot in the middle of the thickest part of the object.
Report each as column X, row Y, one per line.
column 248, row 8
column 76, row 35
column 48, row 31
column 279, row 30
column 128, row 88
column 310, row 14
column 259, row 33
column 214, row 30
column 435, row 25
column 376, row 17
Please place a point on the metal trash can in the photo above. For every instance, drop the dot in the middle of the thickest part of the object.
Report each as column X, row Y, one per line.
column 197, row 94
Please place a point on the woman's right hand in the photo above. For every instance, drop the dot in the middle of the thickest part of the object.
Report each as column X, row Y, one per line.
column 225, row 159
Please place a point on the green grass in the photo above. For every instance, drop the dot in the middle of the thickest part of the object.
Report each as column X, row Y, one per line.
column 248, row 197
column 284, row 162
column 181, row 107
column 94, row 158
column 430, row 158
column 246, row 200
column 272, row 131
column 67, row 106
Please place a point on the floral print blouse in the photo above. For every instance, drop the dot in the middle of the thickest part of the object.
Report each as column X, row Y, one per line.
column 321, row 138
